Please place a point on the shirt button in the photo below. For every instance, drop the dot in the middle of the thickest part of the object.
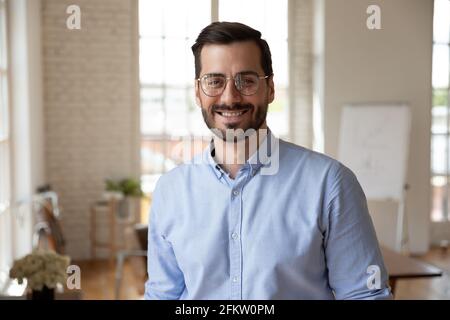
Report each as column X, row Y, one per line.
column 236, row 192
column 234, row 235
column 235, row 279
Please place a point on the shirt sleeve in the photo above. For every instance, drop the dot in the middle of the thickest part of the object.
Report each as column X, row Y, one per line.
column 165, row 279
column 355, row 264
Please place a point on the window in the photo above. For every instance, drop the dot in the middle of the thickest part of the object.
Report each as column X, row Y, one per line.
column 5, row 222
column 440, row 142
column 269, row 17
column 167, row 31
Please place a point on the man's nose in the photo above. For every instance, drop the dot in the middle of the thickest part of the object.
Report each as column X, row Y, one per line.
column 230, row 94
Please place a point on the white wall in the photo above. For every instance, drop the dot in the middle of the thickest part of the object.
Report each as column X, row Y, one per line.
column 391, row 64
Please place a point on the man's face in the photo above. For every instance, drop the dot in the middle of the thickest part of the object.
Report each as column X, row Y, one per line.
column 219, row 112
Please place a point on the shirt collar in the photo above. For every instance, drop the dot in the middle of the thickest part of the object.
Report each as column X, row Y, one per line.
column 258, row 159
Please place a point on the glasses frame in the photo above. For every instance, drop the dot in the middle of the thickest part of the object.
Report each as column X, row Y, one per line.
column 235, row 82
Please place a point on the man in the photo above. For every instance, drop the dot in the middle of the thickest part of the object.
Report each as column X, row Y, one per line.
column 258, row 218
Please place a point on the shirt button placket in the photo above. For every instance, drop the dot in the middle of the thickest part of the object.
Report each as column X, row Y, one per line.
column 235, row 244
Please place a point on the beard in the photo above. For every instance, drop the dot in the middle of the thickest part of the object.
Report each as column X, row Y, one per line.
column 227, row 134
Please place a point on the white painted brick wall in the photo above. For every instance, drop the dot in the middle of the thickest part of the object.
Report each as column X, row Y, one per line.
column 301, row 63
column 90, row 101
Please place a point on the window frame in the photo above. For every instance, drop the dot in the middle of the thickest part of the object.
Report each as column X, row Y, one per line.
column 435, row 176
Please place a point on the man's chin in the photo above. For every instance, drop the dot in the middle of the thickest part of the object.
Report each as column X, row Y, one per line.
column 232, row 133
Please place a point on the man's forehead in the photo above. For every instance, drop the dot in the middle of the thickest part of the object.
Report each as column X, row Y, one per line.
column 238, row 54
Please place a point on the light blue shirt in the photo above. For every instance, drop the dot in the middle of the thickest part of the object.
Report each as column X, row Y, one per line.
column 301, row 233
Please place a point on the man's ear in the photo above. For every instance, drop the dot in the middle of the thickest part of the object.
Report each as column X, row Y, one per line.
column 271, row 88
column 197, row 94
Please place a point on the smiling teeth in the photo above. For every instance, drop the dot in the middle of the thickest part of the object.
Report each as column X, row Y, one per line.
column 232, row 114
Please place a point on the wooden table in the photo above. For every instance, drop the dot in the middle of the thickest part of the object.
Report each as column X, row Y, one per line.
column 403, row 267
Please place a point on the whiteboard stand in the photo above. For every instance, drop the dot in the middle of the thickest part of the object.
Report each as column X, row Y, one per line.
column 402, row 238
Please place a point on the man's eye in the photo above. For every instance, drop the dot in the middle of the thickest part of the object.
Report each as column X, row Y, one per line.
column 214, row 82
column 248, row 81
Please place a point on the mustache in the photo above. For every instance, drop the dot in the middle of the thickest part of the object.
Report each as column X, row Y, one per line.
column 233, row 107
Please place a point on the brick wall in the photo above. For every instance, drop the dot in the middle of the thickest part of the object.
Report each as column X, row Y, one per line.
column 301, row 64
column 90, row 102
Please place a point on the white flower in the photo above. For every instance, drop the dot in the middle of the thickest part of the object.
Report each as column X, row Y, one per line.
column 41, row 268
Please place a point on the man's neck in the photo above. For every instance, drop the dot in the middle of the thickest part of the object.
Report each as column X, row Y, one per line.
column 231, row 156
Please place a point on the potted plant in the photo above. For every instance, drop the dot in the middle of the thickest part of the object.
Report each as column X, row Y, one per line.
column 43, row 270
column 126, row 191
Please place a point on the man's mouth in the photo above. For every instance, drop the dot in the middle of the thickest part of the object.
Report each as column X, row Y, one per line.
column 231, row 114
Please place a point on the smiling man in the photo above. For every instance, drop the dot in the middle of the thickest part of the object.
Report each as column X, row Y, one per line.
column 255, row 217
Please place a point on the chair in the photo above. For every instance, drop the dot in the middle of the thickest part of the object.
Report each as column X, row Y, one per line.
column 139, row 236
column 47, row 231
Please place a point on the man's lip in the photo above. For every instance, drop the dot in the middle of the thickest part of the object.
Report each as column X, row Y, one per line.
column 220, row 112
column 231, row 110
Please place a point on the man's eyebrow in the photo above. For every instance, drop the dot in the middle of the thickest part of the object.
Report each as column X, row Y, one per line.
column 248, row 72
column 214, row 74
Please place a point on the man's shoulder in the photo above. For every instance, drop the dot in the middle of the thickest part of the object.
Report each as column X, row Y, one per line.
column 182, row 172
column 319, row 167
column 307, row 157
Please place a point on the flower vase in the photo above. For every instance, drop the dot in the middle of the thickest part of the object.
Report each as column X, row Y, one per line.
column 44, row 294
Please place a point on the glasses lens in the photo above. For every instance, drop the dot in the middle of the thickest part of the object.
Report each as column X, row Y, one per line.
column 213, row 84
column 247, row 84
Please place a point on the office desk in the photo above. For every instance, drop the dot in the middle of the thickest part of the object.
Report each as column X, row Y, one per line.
column 403, row 267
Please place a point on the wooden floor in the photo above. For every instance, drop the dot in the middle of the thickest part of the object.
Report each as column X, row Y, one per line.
column 98, row 280
column 428, row 288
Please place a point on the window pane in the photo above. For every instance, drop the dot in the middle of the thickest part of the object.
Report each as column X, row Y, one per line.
column 439, row 190
column 198, row 17
column 250, row 12
column 439, row 122
column 151, row 18
column 440, row 97
column 175, row 18
column 151, row 60
column 152, row 156
column 441, row 20
column 276, row 12
column 177, row 112
column 176, row 70
column 152, row 111
column 156, row 155
column 197, row 126
column 277, row 116
column 267, row 16
column 440, row 66
column 438, row 154
column 148, row 182
column 279, row 62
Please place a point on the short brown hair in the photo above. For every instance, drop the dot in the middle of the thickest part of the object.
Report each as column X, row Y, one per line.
column 228, row 32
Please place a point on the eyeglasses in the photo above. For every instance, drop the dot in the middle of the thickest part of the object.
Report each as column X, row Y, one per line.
column 247, row 83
